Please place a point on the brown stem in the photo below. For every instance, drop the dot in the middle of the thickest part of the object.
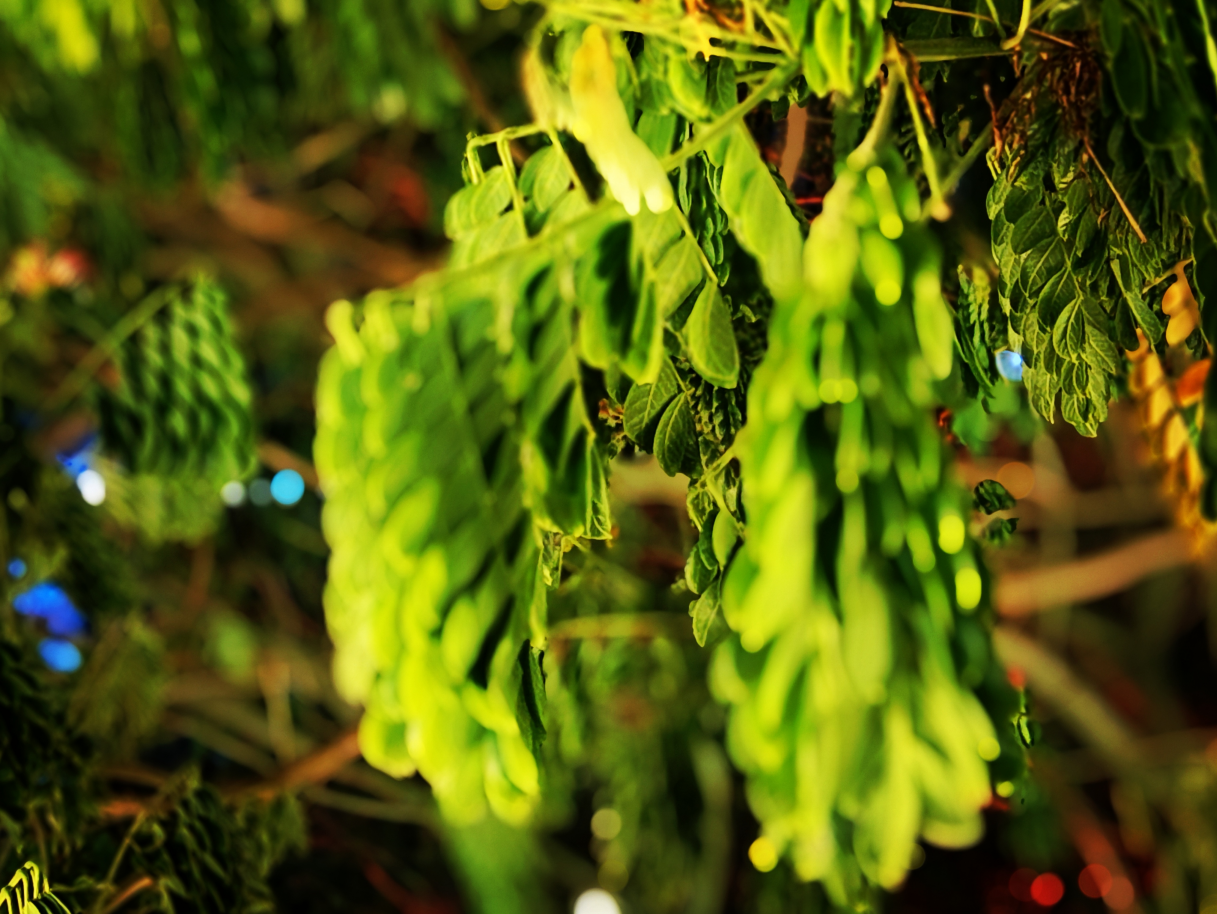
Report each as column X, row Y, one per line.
column 477, row 98
column 315, row 768
column 277, row 457
column 1022, row 593
column 1120, row 200
column 132, row 888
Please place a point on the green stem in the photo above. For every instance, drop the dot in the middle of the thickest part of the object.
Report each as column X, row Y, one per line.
column 701, row 255
column 937, row 50
column 570, row 166
column 928, row 161
column 128, row 324
column 979, row 145
column 1024, row 20
column 996, row 19
column 721, row 125
column 1210, row 47
column 860, row 157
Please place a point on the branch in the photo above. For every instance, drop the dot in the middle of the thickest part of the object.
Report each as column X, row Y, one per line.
column 1021, row 593
column 315, row 768
column 277, row 457
column 134, row 887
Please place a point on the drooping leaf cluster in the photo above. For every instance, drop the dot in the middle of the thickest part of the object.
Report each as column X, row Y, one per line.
column 792, row 377
column 177, row 422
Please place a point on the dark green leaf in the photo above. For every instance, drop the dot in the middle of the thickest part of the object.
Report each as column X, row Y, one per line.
column 991, row 496
column 676, row 438
column 645, row 405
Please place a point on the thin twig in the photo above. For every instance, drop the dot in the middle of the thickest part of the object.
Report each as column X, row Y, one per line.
column 128, row 324
column 1123, row 206
column 721, row 125
column 473, row 89
column 1048, row 36
column 134, row 887
column 315, row 768
column 277, row 457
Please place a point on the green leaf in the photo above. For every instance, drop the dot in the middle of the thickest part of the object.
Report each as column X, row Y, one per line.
column 545, row 177
column 676, row 438
column 724, row 537
column 705, row 611
column 1033, row 230
column 1069, row 332
column 1144, row 315
column 760, row 216
column 999, row 531
column 711, row 339
column 676, row 275
column 991, row 496
column 475, row 205
column 657, row 130
column 701, row 568
column 645, row 403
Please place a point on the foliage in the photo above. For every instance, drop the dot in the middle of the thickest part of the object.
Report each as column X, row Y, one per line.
column 29, row 890
column 806, row 591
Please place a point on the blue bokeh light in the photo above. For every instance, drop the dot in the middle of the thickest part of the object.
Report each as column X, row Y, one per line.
column 80, row 458
column 61, row 656
column 287, row 487
column 16, row 568
column 48, row 601
column 1010, row 365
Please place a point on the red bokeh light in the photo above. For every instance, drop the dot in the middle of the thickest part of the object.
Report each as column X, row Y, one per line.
column 1095, row 880
column 1047, row 889
column 1020, row 884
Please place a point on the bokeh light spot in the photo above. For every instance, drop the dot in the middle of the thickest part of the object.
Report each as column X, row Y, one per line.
column 606, row 824
column 1020, row 883
column 596, row 901
column 1047, row 889
column 61, row 656
column 287, row 487
column 968, row 588
column 1009, row 365
column 1121, row 894
column 233, row 493
column 763, row 854
column 259, row 493
column 1018, row 478
column 92, row 486
column 49, row 602
column 951, row 533
column 1095, row 880
column 988, row 748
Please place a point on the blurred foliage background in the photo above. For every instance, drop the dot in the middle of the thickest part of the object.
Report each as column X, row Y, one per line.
column 184, row 187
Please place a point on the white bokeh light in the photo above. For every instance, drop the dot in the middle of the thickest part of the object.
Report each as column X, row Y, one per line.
column 92, row 486
column 233, row 493
column 596, row 901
